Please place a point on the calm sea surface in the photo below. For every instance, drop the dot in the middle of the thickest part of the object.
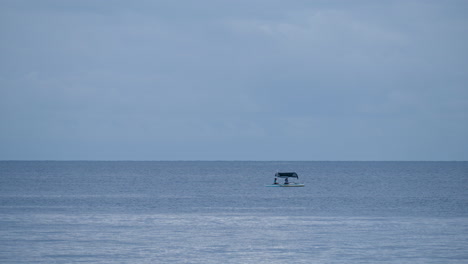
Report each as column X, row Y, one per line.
column 221, row 212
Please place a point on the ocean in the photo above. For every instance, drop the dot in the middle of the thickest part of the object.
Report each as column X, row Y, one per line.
column 221, row 212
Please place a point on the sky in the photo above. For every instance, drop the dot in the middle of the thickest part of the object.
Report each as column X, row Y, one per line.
column 234, row 80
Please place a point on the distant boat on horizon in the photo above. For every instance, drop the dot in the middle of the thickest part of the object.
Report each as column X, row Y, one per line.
column 286, row 176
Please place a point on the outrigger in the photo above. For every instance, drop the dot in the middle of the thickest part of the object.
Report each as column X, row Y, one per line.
column 285, row 176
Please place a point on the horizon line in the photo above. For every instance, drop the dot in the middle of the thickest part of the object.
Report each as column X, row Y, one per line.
column 194, row 160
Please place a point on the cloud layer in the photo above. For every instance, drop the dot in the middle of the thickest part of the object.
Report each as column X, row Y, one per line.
column 243, row 80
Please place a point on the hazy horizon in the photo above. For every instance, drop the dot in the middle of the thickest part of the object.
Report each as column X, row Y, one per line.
column 57, row 160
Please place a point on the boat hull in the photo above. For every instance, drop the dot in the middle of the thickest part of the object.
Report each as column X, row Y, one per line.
column 286, row 185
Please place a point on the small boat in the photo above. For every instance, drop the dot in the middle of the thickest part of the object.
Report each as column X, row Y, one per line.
column 286, row 176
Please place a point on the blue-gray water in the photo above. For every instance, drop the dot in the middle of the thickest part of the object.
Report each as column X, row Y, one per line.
column 221, row 212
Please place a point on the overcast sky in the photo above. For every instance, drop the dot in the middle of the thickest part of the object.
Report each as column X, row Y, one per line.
column 233, row 80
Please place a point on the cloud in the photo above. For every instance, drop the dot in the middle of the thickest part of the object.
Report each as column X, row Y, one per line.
column 319, row 79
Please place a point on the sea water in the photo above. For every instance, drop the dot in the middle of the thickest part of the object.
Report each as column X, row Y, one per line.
column 221, row 212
